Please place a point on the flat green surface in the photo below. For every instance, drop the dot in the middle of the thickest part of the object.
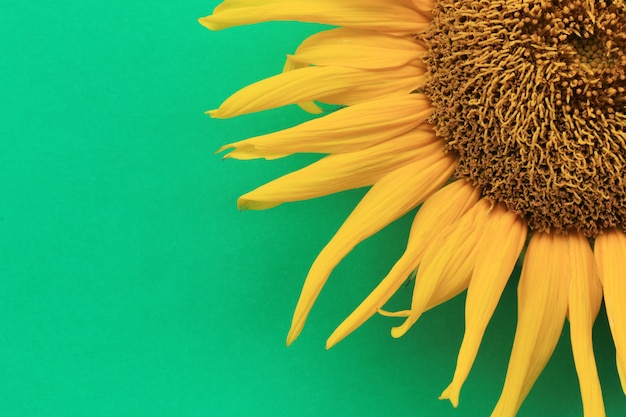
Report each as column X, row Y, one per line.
column 130, row 285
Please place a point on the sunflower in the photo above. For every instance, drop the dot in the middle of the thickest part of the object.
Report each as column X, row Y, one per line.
column 504, row 121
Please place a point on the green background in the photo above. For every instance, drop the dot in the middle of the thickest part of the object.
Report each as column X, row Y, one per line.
column 130, row 284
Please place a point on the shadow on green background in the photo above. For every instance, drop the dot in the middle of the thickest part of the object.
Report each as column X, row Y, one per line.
column 131, row 285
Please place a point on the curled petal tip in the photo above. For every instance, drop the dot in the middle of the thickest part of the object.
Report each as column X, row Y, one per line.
column 222, row 149
column 311, row 107
column 451, row 394
column 402, row 313
column 213, row 113
column 399, row 331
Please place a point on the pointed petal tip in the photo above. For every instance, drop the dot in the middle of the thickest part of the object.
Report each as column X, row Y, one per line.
column 207, row 22
column 330, row 343
column 293, row 334
column 339, row 334
column 333, row 340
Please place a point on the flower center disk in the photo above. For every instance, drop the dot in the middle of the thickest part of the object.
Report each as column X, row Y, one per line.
column 532, row 97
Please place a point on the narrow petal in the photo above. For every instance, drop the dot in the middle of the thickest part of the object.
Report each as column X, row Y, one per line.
column 346, row 130
column 542, row 306
column 332, row 85
column 620, row 372
column 355, row 49
column 380, row 83
column 438, row 211
column 503, row 239
column 610, row 254
column 451, row 257
column 390, row 198
column 358, row 49
column 391, row 16
column 340, row 172
column 308, row 106
column 585, row 297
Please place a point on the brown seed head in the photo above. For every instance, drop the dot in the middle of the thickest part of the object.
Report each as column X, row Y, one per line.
column 531, row 94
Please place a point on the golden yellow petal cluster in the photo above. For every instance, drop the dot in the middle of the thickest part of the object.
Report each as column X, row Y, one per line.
column 505, row 122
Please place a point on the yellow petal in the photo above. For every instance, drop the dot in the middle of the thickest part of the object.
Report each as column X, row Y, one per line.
column 378, row 84
column 390, row 16
column 307, row 106
column 437, row 212
column 332, row 85
column 345, row 47
column 610, row 254
column 503, row 239
column 542, row 306
column 620, row 371
column 346, row 130
column 340, row 172
column 394, row 195
column 585, row 297
column 358, row 49
column 310, row 107
column 451, row 257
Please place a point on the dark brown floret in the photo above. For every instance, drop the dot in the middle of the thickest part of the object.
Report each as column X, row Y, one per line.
column 532, row 96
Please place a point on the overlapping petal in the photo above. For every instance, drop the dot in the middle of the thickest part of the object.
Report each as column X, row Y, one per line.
column 585, row 297
column 450, row 257
column 347, row 130
column 437, row 213
column 340, row 172
column 504, row 235
column 542, row 293
column 391, row 197
column 610, row 255
column 331, row 85
column 359, row 49
column 389, row 16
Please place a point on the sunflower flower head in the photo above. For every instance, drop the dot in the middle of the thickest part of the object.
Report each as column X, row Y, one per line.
column 504, row 121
